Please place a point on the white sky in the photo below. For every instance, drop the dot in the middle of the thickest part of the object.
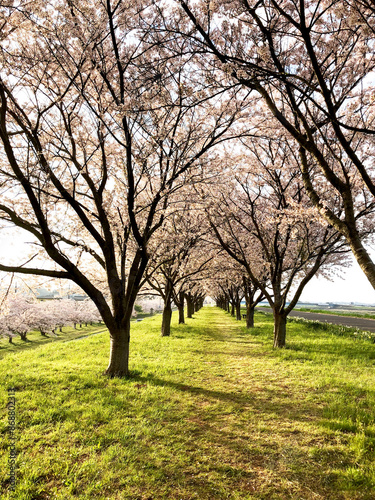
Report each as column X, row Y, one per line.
column 352, row 287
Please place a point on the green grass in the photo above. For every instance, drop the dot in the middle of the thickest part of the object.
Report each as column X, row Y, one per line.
column 213, row 412
column 339, row 330
column 36, row 340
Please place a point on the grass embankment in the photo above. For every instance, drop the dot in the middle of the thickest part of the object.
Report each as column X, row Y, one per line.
column 213, row 412
column 35, row 339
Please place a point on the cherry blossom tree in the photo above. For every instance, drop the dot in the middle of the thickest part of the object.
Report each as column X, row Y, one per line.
column 90, row 313
column 18, row 317
column 190, row 287
column 180, row 259
column 253, row 296
column 265, row 222
column 5, row 331
column 20, row 314
column 229, row 283
column 98, row 129
column 42, row 317
column 236, row 294
column 312, row 63
column 62, row 312
column 195, row 297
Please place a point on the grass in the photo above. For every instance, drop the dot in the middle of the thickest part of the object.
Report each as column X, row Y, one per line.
column 213, row 412
column 340, row 330
column 36, row 340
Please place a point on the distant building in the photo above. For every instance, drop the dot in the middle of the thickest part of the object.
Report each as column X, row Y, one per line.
column 43, row 294
column 77, row 296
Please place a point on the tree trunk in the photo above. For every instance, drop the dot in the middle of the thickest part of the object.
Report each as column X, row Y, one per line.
column 167, row 311
column 166, row 323
column 232, row 308
column 43, row 333
column 181, row 314
column 250, row 316
column 363, row 258
column 23, row 336
column 119, row 354
column 190, row 306
column 228, row 306
column 238, row 310
column 10, row 340
column 61, row 328
column 279, row 329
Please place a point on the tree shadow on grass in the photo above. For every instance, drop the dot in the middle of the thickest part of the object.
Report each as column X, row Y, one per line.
column 252, row 440
column 266, row 400
column 352, row 349
column 274, row 451
column 307, row 350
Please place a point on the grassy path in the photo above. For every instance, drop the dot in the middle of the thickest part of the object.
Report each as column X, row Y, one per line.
column 211, row 413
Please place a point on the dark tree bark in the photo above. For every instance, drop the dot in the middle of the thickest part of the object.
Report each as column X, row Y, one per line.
column 167, row 311
column 181, row 315
column 279, row 329
column 250, row 316
column 181, row 310
column 232, row 308
column 119, row 353
column 166, row 322
column 238, row 309
column 23, row 336
column 190, row 305
column 252, row 301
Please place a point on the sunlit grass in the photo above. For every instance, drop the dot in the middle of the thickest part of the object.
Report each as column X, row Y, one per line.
column 35, row 339
column 213, row 412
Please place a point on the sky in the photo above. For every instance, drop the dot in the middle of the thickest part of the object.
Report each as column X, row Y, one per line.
column 353, row 286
